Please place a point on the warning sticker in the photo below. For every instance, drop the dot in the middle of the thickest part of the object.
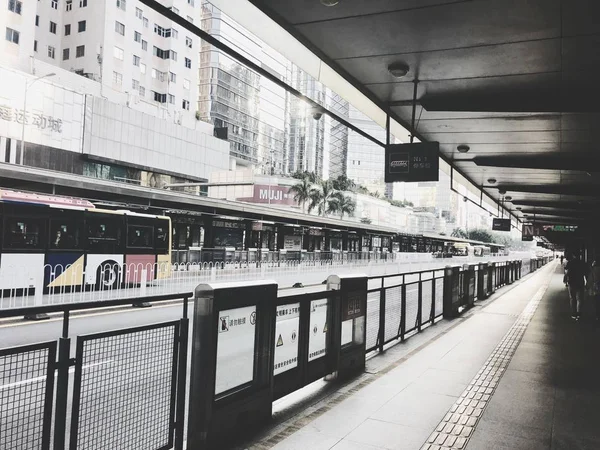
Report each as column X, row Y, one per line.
column 286, row 345
column 317, row 342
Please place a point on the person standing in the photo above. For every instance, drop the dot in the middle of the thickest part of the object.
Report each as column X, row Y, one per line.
column 576, row 272
column 593, row 285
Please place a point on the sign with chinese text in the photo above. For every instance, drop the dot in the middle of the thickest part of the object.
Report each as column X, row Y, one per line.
column 501, row 225
column 235, row 348
column 317, row 341
column 274, row 195
column 38, row 120
column 412, row 162
column 287, row 326
column 352, row 306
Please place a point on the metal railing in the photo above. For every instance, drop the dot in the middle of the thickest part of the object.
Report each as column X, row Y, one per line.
column 398, row 305
column 127, row 390
column 57, row 284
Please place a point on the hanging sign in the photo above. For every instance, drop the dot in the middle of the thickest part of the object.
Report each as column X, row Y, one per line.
column 412, row 162
column 501, row 225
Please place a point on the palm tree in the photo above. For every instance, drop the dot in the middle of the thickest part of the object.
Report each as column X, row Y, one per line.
column 323, row 198
column 345, row 205
column 302, row 192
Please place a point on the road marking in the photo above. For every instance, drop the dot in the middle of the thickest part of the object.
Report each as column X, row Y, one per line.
column 83, row 316
column 43, row 377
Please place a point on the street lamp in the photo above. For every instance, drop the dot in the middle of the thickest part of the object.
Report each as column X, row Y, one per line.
column 27, row 85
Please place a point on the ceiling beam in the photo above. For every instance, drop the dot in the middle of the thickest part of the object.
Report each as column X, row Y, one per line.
column 527, row 101
column 575, row 204
column 558, row 189
column 564, row 162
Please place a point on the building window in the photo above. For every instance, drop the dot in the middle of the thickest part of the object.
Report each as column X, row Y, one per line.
column 37, row 21
column 174, row 33
column 158, row 75
column 185, row 104
column 159, row 53
column 135, row 84
column 118, row 53
column 35, row 46
column 15, row 6
column 171, row 99
column 144, row 45
column 137, row 37
column 80, row 51
column 186, row 83
column 173, row 55
column 145, row 21
column 81, row 26
column 172, row 77
column 12, row 35
column 82, row 3
column 67, row 29
column 139, row 13
column 188, row 41
column 117, row 78
column 54, row 4
column 191, row 2
column 190, row 19
column 51, row 52
column 69, row 5
column 120, row 28
column 142, row 91
column 142, row 68
column 65, row 54
column 188, row 63
column 160, row 98
column 52, row 27
column 136, row 60
column 122, row 4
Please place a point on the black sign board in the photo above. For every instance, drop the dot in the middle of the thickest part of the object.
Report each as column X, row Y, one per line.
column 501, row 225
column 412, row 162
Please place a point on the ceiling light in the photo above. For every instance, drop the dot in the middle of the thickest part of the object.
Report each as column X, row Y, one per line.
column 508, row 198
column 397, row 69
column 492, row 180
column 519, row 208
column 329, row 2
column 462, row 148
column 502, row 191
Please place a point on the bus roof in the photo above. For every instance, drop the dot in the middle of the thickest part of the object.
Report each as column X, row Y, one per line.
column 43, row 199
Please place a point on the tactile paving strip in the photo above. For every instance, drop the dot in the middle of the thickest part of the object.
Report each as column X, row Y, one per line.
column 458, row 425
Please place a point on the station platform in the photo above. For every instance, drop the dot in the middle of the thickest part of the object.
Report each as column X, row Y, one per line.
column 515, row 372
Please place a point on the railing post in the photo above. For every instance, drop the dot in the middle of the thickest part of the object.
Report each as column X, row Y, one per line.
column 62, row 385
column 451, row 291
column 181, row 377
column 403, row 311
column 381, row 335
column 420, row 304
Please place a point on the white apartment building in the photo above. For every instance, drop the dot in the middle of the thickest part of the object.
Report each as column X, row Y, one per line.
column 120, row 43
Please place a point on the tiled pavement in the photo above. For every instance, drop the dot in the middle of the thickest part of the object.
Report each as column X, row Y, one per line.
column 464, row 383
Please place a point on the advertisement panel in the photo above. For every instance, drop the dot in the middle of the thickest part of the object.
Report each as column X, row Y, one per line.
column 412, row 162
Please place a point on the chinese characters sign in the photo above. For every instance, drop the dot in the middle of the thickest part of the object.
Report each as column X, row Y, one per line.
column 38, row 120
column 412, row 162
column 287, row 326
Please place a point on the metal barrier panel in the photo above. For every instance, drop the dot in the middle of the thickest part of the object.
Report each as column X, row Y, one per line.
column 26, row 393
column 426, row 299
column 124, row 389
column 439, row 296
column 393, row 313
column 373, row 305
column 412, row 306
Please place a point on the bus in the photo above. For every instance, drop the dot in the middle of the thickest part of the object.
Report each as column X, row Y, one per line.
column 481, row 251
column 65, row 243
column 462, row 249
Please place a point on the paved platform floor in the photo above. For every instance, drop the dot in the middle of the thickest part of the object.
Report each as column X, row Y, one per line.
column 514, row 373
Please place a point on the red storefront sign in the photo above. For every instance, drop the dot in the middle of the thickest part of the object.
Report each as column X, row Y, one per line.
column 274, row 195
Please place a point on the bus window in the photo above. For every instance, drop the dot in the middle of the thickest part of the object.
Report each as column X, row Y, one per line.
column 103, row 233
column 24, row 233
column 161, row 236
column 64, row 234
column 140, row 236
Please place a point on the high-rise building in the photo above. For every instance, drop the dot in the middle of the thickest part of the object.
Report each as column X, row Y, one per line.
column 234, row 97
column 338, row 150
column 120, row 43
